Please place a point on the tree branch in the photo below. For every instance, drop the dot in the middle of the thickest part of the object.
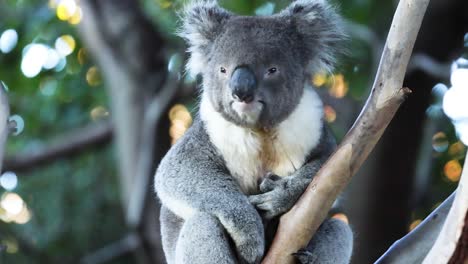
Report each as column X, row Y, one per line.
column 446, row 243
column 64, row 146
column 4, row 114
column 300, row 223
column 145, row 164
column 129, row 52
column 414, row 247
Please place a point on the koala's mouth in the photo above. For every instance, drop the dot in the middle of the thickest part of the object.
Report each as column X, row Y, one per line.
column 248, row 112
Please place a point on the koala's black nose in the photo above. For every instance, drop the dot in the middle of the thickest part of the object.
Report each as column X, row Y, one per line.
column 243, row 84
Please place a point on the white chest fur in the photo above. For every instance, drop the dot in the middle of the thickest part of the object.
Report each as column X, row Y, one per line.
column 244, row 150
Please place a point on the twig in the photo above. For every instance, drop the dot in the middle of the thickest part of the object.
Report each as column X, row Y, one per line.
column 65, row 146
column 4, row 114
column 300, row 223
column 413, row 247
column 446, row 243
column 125, row 245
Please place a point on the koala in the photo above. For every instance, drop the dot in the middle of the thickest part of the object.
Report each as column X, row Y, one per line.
column 258, row 139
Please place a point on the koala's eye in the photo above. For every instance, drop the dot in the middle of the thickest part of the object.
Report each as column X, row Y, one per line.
column 272, row 70
column 222, row 70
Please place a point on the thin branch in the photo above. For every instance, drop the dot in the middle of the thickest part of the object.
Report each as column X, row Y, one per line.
column 414, row 247
column 4, row 114
column 65, row 146
column 300, row 223
column 426, row 63
column 446, row 244
column 123, row 246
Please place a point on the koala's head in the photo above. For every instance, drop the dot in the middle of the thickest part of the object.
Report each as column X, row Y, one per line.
column 254, row 68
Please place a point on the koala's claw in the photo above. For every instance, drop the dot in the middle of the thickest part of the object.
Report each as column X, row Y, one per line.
column 275, row 198
column 269, row 182
column 304, row 256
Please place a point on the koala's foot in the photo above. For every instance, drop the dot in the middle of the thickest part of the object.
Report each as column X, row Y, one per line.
column 332, row 244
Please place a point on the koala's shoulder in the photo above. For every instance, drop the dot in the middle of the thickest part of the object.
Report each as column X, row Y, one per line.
column 195, row 144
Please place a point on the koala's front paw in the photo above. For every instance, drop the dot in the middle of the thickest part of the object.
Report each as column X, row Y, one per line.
column 305, row 257
column 277, row 196
column 250, row 254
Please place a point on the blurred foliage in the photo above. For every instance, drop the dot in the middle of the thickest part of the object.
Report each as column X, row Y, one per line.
column 75, row 204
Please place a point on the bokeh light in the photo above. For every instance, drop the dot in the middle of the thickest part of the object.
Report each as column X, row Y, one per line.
column 75, row 19
column 14, row 209
column 164, row 4
column 9, row 181
column 93, row 76
column 457, row 150
column 455, row 100
column 339, row 87
column 440, row 142
column 34, row 57
column 181, row 120
column 52, row 60
column 66, row 9
column 8, row 40
column 439, row 90
column 414, row 224
column 453, row 170
column 98, row 113
column 12, row 203
column 82, row 56
column 319, row 79
column 330, row 114
column 18, row 123
column 65, row 45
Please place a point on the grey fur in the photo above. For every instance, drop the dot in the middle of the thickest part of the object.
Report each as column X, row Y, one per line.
column 205, row 216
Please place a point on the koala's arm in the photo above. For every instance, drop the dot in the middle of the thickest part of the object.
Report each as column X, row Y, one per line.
column 279, row 194
column 192, row 178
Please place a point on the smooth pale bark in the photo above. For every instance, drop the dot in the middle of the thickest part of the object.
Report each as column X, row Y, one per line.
column 300, row 223
column 4, row 115
column 414, row 247
column 446, row 243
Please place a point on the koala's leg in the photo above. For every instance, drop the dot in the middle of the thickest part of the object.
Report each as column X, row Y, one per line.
column 171, row 225
column 202, row 240
column 332, row 244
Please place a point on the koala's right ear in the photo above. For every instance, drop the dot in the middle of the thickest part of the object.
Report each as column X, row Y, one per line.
column 202, row 23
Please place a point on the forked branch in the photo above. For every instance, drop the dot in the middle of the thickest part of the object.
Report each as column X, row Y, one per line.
column 299, row 225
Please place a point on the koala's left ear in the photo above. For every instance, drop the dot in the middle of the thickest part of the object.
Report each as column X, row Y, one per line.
column 202, row 23
column 321, row 29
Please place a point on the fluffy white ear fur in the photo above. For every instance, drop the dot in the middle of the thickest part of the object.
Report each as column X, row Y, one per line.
column 241, row 147
column 322, row 30
column 202, row 21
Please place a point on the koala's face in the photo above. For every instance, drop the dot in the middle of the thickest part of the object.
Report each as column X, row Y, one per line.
column 255, row 76
column 254, row 68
